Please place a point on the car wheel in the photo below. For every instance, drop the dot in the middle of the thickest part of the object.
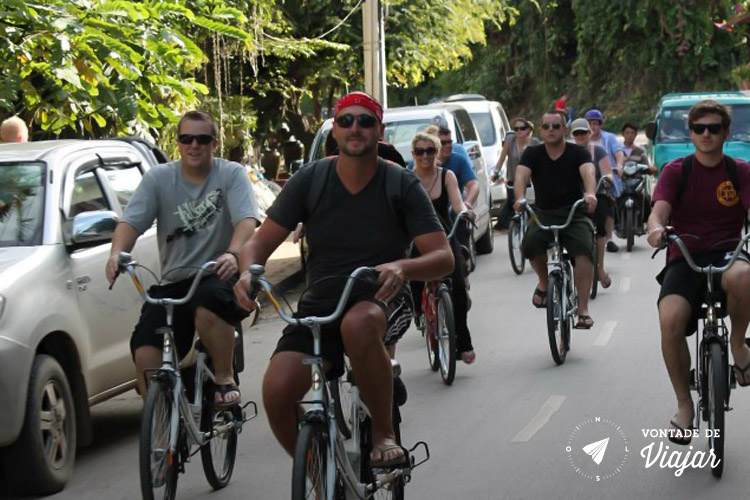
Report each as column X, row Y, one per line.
column 41, row 460
column 486, row 244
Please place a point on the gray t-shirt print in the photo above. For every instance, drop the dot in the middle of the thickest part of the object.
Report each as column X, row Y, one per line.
column 195, row 222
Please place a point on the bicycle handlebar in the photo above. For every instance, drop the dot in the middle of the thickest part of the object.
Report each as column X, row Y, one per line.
column 463, row 214
column 257, row 281
column 710, row 269
column 127, row 264
column 525, row 206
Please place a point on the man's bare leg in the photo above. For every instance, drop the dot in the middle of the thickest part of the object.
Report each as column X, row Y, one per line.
column 583, row 276
column 147, row 357
column 218, row 337
column 674, row 315
column 736, row 283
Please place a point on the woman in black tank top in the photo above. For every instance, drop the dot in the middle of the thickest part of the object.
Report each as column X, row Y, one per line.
column 442, row 187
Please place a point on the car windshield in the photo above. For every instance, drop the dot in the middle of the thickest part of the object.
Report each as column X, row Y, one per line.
column 21, row 203
column 673, row 124
column 401, row 133
column 483, row 123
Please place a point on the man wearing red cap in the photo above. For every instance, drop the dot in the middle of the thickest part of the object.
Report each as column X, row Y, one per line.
column 351, row 225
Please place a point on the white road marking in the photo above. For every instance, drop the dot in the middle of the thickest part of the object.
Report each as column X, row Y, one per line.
column 539, row 420
column 625, row 284
column 605, row 334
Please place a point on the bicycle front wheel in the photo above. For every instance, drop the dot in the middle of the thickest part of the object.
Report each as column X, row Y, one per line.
column 556, row 319
column 446, row 336
column 310, row 463
column 158, row 464
column 219, row 453
column 717, row 395
column 517, row 262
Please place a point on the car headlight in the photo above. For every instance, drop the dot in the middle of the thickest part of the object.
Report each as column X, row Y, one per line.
column 2, row 306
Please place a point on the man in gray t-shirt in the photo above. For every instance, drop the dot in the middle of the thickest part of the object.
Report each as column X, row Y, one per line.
column 205, row 211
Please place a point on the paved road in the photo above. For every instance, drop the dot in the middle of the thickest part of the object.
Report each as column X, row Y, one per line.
column 503, row 429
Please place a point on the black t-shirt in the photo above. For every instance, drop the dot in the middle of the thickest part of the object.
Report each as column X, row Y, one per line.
column 557, row 183
column 347, row 230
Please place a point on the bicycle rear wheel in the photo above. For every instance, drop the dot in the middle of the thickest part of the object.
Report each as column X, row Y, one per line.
column 446, row 330
column 514, row 246
column 717, row 395
column 310, row 463
column 219, row 453
column 158, row 465
column 556, row 322
column 431, row 332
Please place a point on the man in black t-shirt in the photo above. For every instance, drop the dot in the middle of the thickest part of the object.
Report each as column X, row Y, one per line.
column 351, row 225
column 562, row 172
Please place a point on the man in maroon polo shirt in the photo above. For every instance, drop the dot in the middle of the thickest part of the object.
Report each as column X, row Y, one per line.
column 708, row 210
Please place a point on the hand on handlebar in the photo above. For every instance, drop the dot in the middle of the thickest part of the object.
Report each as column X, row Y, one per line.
column 242, row 292
column 518, row 205
column 657, row 236
column 112, row 269
column 226, row 266
column 590, row 202
column 390, row 279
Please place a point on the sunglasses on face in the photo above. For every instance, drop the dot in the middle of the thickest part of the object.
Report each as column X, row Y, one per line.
column 364, row 121
column 188, row 139
column 519, row 129
column 547, row 126
column 446, row 142
column 713, row 128
column 431, row 151
column 579, row 133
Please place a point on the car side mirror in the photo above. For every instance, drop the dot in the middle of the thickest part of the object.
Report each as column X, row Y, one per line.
column 651, row 130
column 97, row 226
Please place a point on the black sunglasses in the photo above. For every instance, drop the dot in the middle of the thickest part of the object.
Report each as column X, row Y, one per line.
column 364, row 121
column 431, row 151
column 713, row 128
column 547, row 126
column 580, row 132
column 518, row 129
column 202, row 139
column 446, row 142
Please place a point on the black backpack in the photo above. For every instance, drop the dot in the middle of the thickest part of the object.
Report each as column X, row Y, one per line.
column 394, row 185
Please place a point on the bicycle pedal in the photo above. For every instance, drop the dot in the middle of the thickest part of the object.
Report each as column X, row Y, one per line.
column 245, row 417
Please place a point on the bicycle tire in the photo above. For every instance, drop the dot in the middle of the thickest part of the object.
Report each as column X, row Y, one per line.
column 156, row 424
column 717, row 396
column 430, row 332
column 339, row 389
column 517, row 262
column 446, row 335
column 595, row 281
column 629, row 228
column 310, row 462
column 555, row 319
column 395, row 490
column 218, row 455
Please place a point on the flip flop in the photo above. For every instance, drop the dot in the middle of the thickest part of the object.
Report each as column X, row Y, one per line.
column 681, row 440
column 741, row 372
column 542, row 304
column 585, row 322
column 383, row 449
column 224, row 389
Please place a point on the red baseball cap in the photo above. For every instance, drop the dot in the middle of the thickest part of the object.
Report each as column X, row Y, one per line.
column 359, row 99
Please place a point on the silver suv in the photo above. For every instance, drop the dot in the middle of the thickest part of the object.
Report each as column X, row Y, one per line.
column 63, row 335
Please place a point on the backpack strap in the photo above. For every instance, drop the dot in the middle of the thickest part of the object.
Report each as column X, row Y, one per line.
column 394, row 190
column 734, row 176
column 320, row 172
column 687, row 167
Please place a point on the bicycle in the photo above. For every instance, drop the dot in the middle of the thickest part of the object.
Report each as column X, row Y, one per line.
column 562, row 297
column 516, row 231
column 172, row 424
column 711, row 377
column 438, row 321
column 332, row 455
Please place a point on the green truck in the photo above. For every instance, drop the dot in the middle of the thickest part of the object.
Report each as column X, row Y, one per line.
column 669, row 137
